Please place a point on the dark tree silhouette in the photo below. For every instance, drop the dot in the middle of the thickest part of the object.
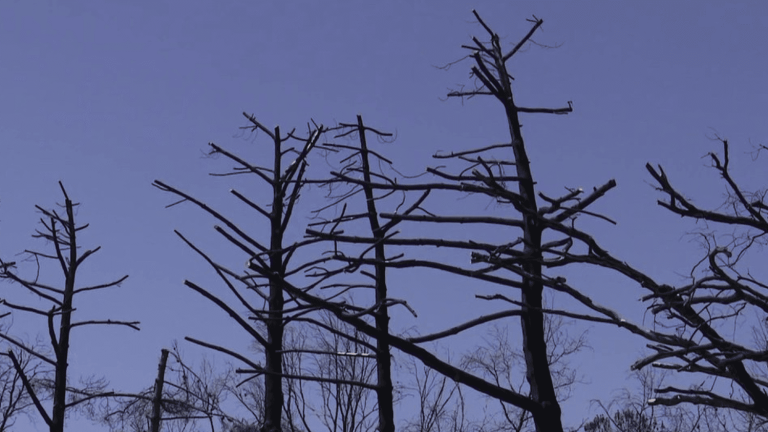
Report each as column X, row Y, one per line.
column 61, row 231
column 14, row 400
column 703, row 312
column 696, row 321
column 721, row 290
column 271, row 263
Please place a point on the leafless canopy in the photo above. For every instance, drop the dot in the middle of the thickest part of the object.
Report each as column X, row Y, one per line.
column 517, row 265
column 61, row 231
column 721, row 290
column 381, row 218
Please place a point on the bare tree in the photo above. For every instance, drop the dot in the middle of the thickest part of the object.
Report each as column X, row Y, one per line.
column 14, row 400
column 441, row 403
column 60, row 230
column 260, row 290
column 694, row 320
column 335, row 362
column 345, row 407
column 500, row 361
column 297, row 403
column 358, row 160
column 157, row 397
column 720, row 291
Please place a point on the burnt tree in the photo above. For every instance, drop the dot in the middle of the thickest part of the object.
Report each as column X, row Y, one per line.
column 721, row 290
column 357, row 160
column 271, row 265
column 701, row 317
column 14, row 400
column 696, row 322
column 61, row 231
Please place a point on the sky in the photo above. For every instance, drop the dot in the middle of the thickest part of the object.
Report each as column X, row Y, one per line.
column 109, row 96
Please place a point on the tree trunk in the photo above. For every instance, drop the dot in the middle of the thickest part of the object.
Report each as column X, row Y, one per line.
column 273, row 381
column 538, row 374
column 384, row 390
column 156, row 401
column 61, row 348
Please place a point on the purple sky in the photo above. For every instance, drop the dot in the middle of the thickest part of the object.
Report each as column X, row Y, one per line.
column 108, row 96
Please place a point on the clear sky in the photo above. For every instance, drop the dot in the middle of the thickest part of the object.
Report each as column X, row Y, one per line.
column 108, row 96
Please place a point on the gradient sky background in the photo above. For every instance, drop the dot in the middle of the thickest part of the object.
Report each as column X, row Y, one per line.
column 108, row 96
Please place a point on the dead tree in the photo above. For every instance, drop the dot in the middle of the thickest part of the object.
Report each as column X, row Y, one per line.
column 14, row 400
column 700, row 317
column 357, row 160
column 62, row 232
column 157, row 399
column 499, row 360
column 694, row 320
column 271, row 263
column 720, row 291
column 441, row 402
column 345, row 407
